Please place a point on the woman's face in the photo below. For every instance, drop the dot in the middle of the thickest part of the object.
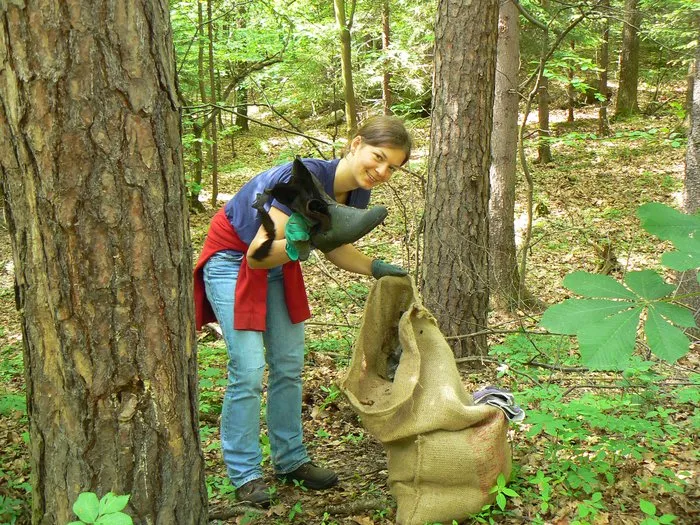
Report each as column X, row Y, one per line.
column 372, row 165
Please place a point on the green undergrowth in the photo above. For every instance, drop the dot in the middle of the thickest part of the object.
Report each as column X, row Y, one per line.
column 604, row 446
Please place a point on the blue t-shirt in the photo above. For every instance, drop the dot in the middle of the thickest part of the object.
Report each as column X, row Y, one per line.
column 244, row 218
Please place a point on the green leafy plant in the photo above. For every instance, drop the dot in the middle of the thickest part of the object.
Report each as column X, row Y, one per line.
column 332, row 394
column 265, row 448
column 10, row 403
column 105, row 511
column 10, row 510
column 295, row 511
column 326, row 520
column 588, row 509
column 649, row 509
column 606, row 320
column 502, row 492
column 544, row 486
column 353, row 438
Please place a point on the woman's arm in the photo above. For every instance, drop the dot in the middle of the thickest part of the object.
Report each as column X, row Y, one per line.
column 349, row 258
column 277, row 254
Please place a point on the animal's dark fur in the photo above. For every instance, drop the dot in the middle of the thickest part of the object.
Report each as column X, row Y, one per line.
column 301, row 194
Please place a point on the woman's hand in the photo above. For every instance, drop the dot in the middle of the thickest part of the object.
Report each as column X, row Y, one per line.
column 297, row 234
column 383, row 269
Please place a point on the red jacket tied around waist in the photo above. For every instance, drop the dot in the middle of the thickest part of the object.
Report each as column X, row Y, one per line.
column 250, row 305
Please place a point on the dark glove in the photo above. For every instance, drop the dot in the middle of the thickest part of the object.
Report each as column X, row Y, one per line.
column 382, row 269
column 297, row 232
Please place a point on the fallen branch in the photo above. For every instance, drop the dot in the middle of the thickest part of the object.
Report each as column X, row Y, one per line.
column 529, row 363
column 237, row 509
column 357, row 507
column 625, row 387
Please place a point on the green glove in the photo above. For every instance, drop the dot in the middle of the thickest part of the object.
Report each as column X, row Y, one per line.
column 382, row 269
column 297, row 233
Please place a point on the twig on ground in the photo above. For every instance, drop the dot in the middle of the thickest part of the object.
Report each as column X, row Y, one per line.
column 341, row 325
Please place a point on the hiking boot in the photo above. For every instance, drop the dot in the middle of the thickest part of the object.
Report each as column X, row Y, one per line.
column 313, row 477
column 254, row 492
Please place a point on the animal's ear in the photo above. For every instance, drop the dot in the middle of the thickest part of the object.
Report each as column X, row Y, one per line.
column 302, row 177
column 299, row 170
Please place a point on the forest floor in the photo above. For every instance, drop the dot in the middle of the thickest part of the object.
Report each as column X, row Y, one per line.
column 595, row 447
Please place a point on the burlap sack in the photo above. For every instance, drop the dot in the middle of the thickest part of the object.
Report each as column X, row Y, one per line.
column 444, row 452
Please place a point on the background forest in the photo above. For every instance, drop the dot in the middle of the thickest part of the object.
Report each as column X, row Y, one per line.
column 601, row 127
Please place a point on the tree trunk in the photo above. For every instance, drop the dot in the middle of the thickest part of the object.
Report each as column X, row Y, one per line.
column 213, row 125
column 691, row 189
column 604, row 65
column 200, row 53
column 91, row 167
column 570, row 91
column 346, row 65
column 688, row 282
column 197, row 128
column 544, row 151
column 196, row 187
column 504, row 279
column 692, row 73
column 455, row 266
column 241, row 91
column 386, row 79
column 629, row 62
column 242, row 108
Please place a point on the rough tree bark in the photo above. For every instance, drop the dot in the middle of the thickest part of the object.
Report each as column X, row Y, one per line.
column 504, row 278
column 454, row 275
column 626, row 103
column 344, row 24
column 91, row 169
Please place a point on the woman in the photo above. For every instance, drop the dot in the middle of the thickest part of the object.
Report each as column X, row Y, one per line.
column 270, row 305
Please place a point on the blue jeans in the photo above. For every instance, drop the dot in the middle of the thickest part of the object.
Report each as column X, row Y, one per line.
column 282, row 347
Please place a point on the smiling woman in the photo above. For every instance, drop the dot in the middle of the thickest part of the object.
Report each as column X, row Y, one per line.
column 261, row 304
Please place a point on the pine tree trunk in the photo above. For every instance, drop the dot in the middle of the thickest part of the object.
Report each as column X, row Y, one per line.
column 346, row 64
column 455, row 267
column 504, row 279
column 629, row 62
column 91, row 168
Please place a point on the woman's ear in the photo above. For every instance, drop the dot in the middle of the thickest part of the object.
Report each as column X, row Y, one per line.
column 355, row 143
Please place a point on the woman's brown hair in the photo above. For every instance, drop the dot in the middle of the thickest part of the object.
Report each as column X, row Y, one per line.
column 383, row 131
